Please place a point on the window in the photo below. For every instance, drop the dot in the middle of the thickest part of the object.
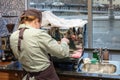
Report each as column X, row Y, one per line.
column 106, row 25
column 105, row 21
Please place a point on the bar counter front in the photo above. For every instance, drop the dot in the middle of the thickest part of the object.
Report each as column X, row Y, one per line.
column 13, row 71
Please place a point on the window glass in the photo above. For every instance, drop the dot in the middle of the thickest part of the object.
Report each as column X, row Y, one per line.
column 106, row 16
column 63, row 8
column 106, row 24
column 67, row 9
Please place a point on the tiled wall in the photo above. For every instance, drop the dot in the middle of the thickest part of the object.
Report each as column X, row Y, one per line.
column 9, row 8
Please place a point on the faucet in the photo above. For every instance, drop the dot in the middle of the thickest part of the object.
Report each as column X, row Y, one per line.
column 100, row 58
column 103, row 55
column 100, row 55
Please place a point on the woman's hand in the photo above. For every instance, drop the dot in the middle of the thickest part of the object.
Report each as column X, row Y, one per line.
column 65, row 40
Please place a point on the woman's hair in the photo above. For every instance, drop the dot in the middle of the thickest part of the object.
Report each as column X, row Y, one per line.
column 30, row 15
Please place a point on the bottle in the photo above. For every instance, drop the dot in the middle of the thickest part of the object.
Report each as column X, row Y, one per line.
column 96, row 54
column 106, row 54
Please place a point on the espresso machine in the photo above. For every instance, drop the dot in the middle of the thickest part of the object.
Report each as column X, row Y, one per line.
column 6, row 52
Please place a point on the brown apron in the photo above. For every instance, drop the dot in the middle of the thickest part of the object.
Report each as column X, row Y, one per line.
column 47, row 74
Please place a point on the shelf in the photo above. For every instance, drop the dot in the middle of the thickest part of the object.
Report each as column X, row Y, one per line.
column 7, row 16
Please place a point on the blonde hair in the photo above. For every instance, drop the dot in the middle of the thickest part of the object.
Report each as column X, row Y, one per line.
column 27, row 18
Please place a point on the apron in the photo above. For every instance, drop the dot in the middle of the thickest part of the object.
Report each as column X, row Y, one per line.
column 47, row 74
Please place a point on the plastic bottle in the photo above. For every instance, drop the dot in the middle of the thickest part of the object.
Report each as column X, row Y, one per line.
column 96, row 54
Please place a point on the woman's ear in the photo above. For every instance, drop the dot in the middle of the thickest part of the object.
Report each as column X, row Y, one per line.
column 35, row 22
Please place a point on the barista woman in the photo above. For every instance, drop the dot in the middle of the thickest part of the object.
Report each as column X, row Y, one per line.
column 31, row 46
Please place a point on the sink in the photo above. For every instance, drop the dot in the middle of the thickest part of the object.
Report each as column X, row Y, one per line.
column 106, row 67
column 99, row 68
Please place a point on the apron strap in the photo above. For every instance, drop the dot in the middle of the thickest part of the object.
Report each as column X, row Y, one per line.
column 20, row 37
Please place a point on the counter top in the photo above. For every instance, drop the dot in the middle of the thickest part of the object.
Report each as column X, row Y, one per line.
column 89, row 75
column 15, row 66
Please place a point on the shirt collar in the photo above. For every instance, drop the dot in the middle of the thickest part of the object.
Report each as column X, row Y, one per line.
column 25, row 26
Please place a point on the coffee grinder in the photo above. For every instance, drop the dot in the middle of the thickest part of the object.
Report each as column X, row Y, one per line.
column 7, row 54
